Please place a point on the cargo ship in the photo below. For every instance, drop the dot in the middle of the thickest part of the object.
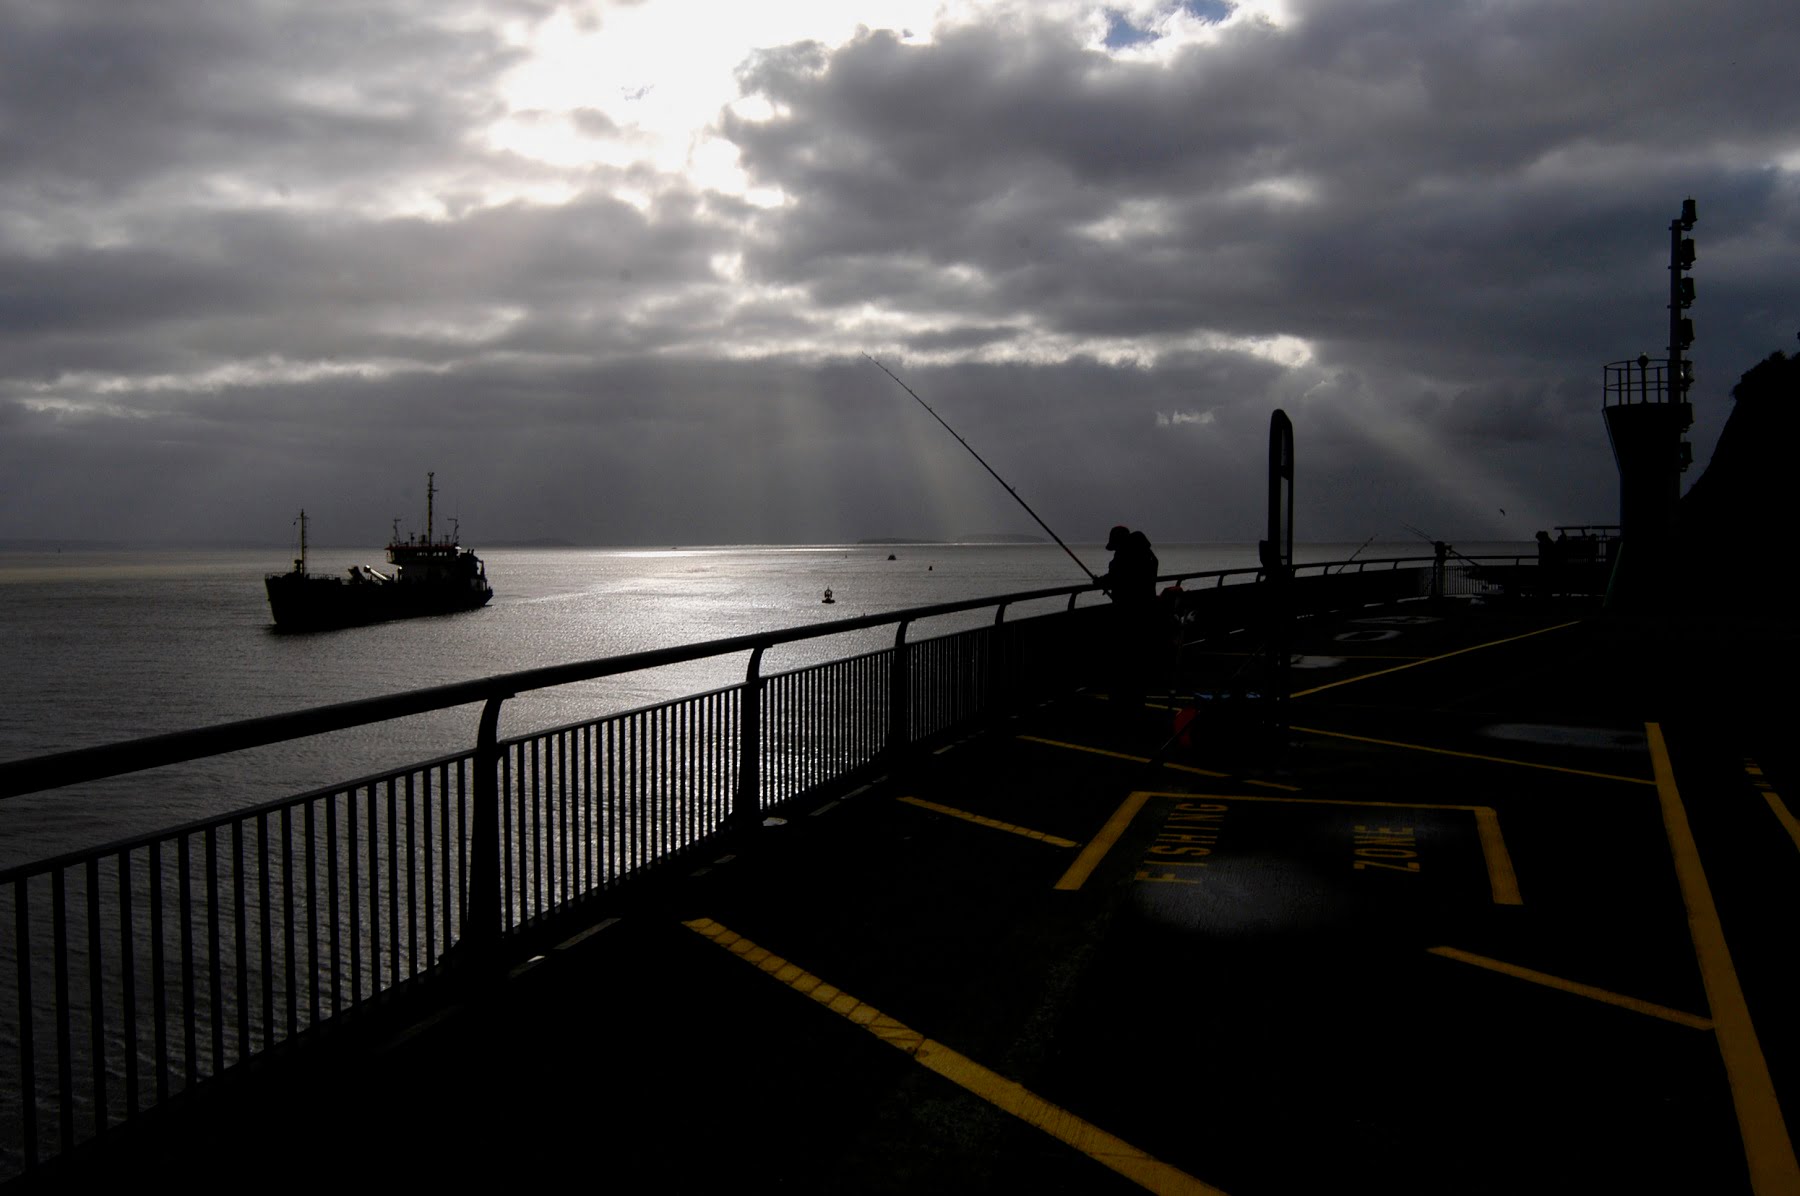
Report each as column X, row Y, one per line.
column 430, row 576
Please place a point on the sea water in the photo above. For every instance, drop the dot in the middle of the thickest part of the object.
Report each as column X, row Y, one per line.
column 100, row 647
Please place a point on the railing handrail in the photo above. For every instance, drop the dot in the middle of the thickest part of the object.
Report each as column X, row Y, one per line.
column 56, row 770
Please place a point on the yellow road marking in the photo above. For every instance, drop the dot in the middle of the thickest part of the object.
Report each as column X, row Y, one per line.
column 992, row 823
column 1678, row 1016
column 1430, row 659
column 1503, row 882
column 1438, row 751
column 1096, row 850
column 1176, row 768
column 1205, row 772
column 1104, row 1148
column 1094, row 751
column 1341, row 655
column 1782, row 814
column 1767, row 1147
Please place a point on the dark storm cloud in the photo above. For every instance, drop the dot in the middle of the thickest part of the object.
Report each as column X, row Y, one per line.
column 1438, row 198
column 99, row 96
column 251, row 259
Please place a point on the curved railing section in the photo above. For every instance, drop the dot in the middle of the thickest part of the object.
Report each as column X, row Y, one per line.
column 139, row 970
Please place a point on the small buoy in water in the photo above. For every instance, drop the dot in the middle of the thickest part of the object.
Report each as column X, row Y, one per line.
column 890, row 556
column 828, row 597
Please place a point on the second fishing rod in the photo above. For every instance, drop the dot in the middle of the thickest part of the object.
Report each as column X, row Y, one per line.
column 940, row 419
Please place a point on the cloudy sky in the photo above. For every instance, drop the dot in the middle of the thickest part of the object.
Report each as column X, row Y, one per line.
column 610, row 268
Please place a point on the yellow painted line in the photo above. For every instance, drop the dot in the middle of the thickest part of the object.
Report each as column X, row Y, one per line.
column 1679, row 1016
column 1767, row 1147
column 1430, row 659
column 1503, row 882
column 1096, row 850
column 1094, row 751
column 1204, row 772
column 1345, row 656
column 991, row 823
column 1778, row 807
column 1104, row 1148
column 1438, row 751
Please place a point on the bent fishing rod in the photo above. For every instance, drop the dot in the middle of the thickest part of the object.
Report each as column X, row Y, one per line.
column 1434, row 542
column 940, row 419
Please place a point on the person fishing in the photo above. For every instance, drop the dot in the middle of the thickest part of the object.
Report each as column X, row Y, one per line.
column 1130, row 576
column 1130, row 581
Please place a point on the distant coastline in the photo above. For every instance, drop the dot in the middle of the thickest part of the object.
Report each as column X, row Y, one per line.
column 976, row 538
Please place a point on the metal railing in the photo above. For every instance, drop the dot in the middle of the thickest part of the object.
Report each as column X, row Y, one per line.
column 142, row 968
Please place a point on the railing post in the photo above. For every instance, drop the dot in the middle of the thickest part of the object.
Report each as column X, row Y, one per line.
column 899, row 699
column 746, row 805
column 484, row 919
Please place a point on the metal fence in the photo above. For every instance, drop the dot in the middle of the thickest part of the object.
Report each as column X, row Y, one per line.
column 141, row 969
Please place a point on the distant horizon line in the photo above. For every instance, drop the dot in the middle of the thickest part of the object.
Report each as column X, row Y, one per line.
column 42, row 544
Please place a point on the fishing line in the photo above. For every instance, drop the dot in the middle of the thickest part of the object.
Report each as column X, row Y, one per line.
column 940, row 419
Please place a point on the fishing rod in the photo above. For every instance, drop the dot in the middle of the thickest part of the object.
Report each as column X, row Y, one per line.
column 1434, row 542
column 940, row 419
column 1358, row 552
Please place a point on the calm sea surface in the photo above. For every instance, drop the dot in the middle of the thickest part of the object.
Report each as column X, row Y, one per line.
column 101, row 647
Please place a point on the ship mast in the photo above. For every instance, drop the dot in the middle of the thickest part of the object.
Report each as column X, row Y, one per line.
column 429, row 491
column 300, row 565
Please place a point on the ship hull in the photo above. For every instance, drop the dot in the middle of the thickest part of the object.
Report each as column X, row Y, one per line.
column 301, row 602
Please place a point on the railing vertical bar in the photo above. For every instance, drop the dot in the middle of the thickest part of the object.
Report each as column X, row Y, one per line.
column 128, row 981
column 96, row 995
column 393, row 883
column 486, row 919
column 374, row 817
column 690, row 792
column 646, row 800
column 437, row 904
column 240, row 932
column 612, row 803
column 556, row 760
column 28, row 1127
column 531, row 762
column 659, row 780
column 215, row 965
column 332, row 912
column 656, row 781
column 630, row 794
column 290, row 965
column 507, row 809
column 412, row 886
column 531, row 766
column 184, row 893
column 353, row 894
column 569, row 760
column 431, row 902
column 463, row 839
column 266, row 917
column 692, row 780
column 585, row 784
column 677, row 833
column 555, row 830
column 59, row 931
column 159, row 997
column 309, row 825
